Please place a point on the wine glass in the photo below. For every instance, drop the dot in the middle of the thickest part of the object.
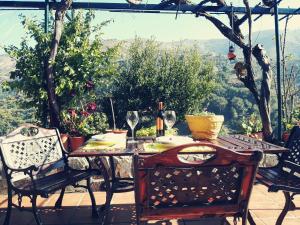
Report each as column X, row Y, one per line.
column 170, row 118
column 132, row 119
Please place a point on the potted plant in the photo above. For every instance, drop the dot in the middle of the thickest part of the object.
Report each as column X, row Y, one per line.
column 83, row 123
column 252, row 126
column 205, row 125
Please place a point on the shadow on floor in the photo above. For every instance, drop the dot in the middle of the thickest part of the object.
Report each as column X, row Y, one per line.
column 119, row 214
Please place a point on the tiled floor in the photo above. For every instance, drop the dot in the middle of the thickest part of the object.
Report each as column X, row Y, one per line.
column 265, row 208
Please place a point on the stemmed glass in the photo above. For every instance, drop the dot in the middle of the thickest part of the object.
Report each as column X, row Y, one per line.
column 170, row 118
column 132, row 119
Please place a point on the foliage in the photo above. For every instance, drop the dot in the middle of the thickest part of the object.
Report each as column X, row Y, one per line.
column 11, row 114
column 295, row 119
column 180, row 78
column 84, row 122
column 204, row 113
column 82, row 62
column 251, row 124
column 230, row 98
column 151, row 131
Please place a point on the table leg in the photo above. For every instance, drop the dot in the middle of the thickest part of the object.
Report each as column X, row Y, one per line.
column 109, row 191
column 119, row 185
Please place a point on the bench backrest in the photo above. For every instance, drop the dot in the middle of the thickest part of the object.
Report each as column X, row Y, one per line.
column 168, row 187
column 293, row 144
column 30, row 145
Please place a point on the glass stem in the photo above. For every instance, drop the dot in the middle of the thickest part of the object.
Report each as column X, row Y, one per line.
column 132, row 132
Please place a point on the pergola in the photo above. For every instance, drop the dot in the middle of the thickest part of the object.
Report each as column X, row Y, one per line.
column 167, row 7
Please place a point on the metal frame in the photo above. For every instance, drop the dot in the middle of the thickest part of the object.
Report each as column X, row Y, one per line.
column 162, row 8
column 34, row 191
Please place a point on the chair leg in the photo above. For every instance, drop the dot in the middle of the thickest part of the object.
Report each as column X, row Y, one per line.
column 244, row 218
column 9, row 207
column 250, row 219
column 34, row 210
column 94, row 207
column 58, row 203
column 224, row 221
column 285, row 209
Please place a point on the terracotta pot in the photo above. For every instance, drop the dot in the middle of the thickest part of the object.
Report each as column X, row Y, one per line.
column 205, row 127
column 285, row 136
column 65, row 141
column 257, row 135
column 76, row 142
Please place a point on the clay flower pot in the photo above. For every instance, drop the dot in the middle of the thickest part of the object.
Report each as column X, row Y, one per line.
column 76, row 142
column 205, row 127
column 65, row 141
column 285, row 136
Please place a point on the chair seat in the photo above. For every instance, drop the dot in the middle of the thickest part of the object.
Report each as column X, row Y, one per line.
column 276, row 177
column 54, row 182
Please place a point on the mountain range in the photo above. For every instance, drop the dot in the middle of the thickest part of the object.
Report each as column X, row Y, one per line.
column 213, row 46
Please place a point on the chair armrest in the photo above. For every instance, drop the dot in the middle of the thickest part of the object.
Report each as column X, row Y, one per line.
column 27, row 170
column 293, row 173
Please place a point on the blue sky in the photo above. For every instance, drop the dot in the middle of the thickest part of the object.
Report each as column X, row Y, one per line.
column 128, row 25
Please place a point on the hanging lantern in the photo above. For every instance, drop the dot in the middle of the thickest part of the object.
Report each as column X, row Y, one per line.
column 231, row 55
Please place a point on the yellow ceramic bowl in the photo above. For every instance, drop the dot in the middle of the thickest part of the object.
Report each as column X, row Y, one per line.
column 205, row 127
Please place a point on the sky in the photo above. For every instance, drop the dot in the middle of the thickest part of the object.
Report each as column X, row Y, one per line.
column 163, row 27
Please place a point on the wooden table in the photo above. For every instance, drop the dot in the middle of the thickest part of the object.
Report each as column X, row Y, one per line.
column 240, row 143
column 237, row 142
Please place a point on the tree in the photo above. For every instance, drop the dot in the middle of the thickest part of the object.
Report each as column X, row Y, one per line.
column 245, row 71
column 180, row 78
column 54, row 110
column 290, row 75
column 82, row 63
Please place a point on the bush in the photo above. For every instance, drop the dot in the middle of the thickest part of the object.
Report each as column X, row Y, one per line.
column 180, row 78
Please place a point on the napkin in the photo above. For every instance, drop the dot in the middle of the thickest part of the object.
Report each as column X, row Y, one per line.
column 166, row 142
column 106, row 141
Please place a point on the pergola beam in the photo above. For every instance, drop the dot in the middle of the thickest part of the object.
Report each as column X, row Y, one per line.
column 155, row 8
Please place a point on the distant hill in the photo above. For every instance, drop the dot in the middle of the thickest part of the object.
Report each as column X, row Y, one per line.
column 214, row 47
column 6, row 65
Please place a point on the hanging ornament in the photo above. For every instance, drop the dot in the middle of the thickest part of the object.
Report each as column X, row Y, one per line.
column 231, row 51
column 231, row 55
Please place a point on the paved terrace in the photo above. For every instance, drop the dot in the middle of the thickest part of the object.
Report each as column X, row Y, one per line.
column 265, row 208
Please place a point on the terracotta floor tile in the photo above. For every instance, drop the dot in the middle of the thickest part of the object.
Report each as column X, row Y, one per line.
column 122, row 213
column 72, row 199
column 83, row 215
column 123, row 198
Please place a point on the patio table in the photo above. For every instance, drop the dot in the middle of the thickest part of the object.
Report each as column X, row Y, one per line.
column 239, row 143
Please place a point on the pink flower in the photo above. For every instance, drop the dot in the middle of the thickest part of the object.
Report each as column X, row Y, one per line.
column 85, row 113
column 72, row 112
column 92, row 106
column 89, row 84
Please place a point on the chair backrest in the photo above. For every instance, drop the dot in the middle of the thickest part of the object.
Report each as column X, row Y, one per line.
column 168, row 187
column 30, row 145
column 293, row 144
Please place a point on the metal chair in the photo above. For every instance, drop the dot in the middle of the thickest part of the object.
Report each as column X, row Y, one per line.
column 168, row 187
column 36, row 164
column 285, row 176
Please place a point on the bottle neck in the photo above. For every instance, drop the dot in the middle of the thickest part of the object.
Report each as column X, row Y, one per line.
column 160, row 106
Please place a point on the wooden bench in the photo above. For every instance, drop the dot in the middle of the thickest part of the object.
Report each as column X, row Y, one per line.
column 36, row 164
column 169, row 188
column 285, row 176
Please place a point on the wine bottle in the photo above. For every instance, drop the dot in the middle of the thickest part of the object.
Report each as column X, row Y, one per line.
column 160, row 126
